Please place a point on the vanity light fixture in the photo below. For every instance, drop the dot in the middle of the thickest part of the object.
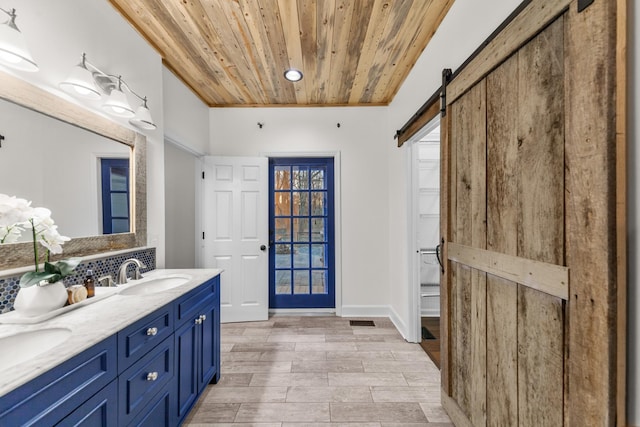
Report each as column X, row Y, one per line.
column 143, row 118
column 87, row 81
column 13, row 47
column 117, row 103
column 293, row 75
column 80, row 82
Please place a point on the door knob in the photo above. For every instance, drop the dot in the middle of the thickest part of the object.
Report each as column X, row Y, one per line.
column 263, row 248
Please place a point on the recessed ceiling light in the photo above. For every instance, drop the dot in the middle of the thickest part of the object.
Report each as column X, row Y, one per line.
column 293, row 75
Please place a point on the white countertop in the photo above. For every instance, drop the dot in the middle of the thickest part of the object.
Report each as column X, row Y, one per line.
column 91, row 324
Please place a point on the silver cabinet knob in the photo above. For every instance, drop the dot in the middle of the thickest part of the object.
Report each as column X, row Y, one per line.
column 198, row 321
column 152, row 332
column 203, row 317
column 152, row 376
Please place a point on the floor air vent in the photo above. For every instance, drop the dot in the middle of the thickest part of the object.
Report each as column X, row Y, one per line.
column 361, row 323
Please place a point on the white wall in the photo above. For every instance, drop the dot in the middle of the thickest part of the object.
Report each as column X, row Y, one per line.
column 633, row 342
column 186, row 117
column 180, row 196
column 361, row 140
column 186, row 124
column 58, row 32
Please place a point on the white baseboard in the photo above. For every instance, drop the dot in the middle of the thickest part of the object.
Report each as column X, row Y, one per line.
column 365, row 311
column 303, row 311
column 399, row 324
column 376, row 311
column 430, row 312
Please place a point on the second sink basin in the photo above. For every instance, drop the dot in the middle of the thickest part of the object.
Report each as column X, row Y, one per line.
column 17, row 348
column 155, row 285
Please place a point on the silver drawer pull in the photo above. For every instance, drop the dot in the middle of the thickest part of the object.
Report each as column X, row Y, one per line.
column 198, row 321
column 203, row 317
column 152, row 376
column 152, row 332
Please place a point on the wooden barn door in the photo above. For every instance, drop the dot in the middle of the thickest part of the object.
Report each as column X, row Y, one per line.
column 529, row 216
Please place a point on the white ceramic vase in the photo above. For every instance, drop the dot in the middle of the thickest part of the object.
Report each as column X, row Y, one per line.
column 36, row 300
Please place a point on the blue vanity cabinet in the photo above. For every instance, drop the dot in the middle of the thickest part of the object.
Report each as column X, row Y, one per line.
column 56, row 394
column 149, row 373
column 197, row 343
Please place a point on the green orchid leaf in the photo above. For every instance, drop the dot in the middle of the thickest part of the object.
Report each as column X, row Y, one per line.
column 33, row 278
column 66, row 266
column 51, row 268
column 52, row 273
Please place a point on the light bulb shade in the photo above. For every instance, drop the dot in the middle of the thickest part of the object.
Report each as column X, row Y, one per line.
column 13, row 48
column 143, row 118
column 80, row 83
column 293, row 75
column 117, row 105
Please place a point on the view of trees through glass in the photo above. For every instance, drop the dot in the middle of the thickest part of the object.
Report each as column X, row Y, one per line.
column 300, row 216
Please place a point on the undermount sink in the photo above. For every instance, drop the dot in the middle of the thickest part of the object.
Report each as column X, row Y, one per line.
column 154, row 285
column 17, row 348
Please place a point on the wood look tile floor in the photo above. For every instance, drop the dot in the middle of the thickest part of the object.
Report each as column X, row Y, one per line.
column 319, row 372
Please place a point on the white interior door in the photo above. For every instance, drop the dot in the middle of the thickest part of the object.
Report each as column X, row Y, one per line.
column 235, row 221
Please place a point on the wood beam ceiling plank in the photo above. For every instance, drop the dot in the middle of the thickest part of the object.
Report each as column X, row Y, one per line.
column 307, row 21
column 234, row 53
column 186, row 61
column 378, row 19
column 252, row 14
column 428, row 21
column 390, row 48
column 201, row 42
column 143, row 19
column 339, row 50
column 234, row 45
column 291, row 29
column 285, row 92
column 359, row 23
column 324, row 27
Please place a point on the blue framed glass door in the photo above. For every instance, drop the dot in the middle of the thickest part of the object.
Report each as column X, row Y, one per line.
column 115, row 196
column 301, row 233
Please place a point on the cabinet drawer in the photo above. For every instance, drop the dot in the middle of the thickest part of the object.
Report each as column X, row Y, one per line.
column 138, row 385
column 159, row 413
column 96, row 412
column 190, row 305
column 53, row 395
column 137, row 339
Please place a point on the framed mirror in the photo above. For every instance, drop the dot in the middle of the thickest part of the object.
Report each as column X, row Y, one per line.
column 61, row 171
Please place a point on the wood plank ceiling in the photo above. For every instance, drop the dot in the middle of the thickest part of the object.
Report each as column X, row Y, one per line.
column 234, row 52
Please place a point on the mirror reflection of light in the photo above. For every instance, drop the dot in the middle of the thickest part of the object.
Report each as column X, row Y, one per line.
column 82, row 90
column 9, row 57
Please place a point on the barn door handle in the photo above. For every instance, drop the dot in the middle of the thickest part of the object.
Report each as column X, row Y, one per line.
column 438, row 255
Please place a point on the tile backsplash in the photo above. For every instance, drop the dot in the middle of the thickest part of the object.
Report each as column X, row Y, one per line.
column 9, row 285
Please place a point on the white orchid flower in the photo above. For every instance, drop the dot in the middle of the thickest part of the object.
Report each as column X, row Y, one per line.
column 52, row 240
column 10, row 234
column 14, row 211
column 16, row 215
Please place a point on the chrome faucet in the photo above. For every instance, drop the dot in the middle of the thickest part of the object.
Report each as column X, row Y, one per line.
column 121, row 276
